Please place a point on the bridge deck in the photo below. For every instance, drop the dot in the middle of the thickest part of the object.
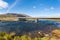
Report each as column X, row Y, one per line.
column 40, row 18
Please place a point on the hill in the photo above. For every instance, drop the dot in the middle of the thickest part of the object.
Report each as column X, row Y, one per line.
column 11, row 16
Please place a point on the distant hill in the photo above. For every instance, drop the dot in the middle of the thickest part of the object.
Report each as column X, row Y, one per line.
column 11, row 16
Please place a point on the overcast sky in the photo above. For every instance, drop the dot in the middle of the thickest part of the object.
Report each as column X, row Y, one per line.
column 36, row 8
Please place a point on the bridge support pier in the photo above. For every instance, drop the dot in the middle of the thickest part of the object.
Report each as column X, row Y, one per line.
column 36, row 21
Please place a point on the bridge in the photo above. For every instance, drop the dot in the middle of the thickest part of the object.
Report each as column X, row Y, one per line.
column 40, row 18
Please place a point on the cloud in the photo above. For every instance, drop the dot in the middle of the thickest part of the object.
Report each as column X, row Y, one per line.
column 41, row 4
column 12, row 5
column 34, row 6
column 3, row 4
column 49, row 9
column 52, row 8
column 46, row 9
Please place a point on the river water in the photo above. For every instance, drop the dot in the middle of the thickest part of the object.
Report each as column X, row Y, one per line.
column 17, row 26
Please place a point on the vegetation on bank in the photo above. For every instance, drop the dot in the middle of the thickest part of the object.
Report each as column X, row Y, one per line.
column 13, row 36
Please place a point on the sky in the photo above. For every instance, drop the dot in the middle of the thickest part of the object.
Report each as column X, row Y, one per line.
column 34, row 8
